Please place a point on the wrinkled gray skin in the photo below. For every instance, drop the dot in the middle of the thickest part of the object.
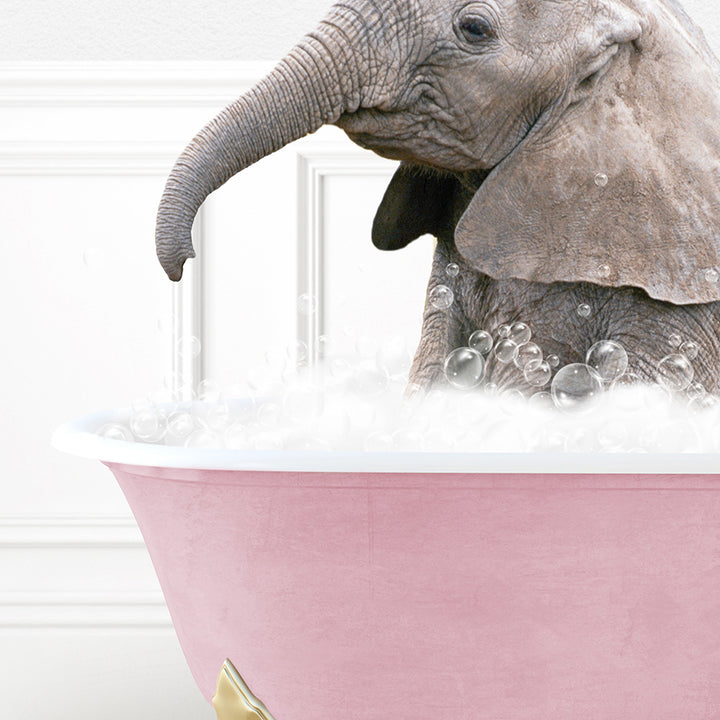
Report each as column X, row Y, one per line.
column 502, row 113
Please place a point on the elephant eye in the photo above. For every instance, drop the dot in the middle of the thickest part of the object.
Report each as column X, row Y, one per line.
column 475, row 29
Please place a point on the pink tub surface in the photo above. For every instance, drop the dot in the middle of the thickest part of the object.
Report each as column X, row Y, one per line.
column 370, row 594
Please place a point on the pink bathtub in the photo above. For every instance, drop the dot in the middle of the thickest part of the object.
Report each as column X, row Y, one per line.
column 419, row 586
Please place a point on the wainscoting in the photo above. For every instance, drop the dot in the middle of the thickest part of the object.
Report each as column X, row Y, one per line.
column 90, row 321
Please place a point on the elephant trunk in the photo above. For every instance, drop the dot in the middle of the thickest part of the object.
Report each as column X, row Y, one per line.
column 313, row 85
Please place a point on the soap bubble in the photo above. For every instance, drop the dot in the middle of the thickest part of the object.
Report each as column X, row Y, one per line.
column 601, row 179
column 179, row 425
column 189, row 346
column 481, row 341
column 584, row 310
column 203, row 438
column 575, row 386
column 236, row 436
column 695, row 390
column 506, row 351
column 711, row 275
column 208, row 391
column 527, row 352
column 519, row 333
column 394, row 357
column 537, row 373
column 689, row 349
column 674, row 372
column 674, row 339
column 368, row 379
column 216, row 417
column 307, row 304
column 268, row 414
column 464, row 367
column 552, row 360
column 608, row 359
column 452, row 270
column 266, row 441
column 303, row 402
column 378, row 442
column 503, row 330
column 604, row 271
column 148, row 424
column 115, row 431
column 542, row 399
column 297, row 352
column 441, row 297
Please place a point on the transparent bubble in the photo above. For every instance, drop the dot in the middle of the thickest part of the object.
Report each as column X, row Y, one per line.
column 378, row 442
column 527, row 352
column 266, row 441
column 189, row 346
column 689, row 349
column 674, row 339
column 94, row 258
column 307, row 304
column 115, row 431
column 519, row 333
column 542, row 399
column 148, row 424
column 297, row 352
column 481, row 341
column 702, row 403
column 394, row 357
column 441, row 297
column 268, row 414
column 552, row 360
column 604, row 271
column 711, row 275
column 464, row 367
column 575, row 387
column 324, row 346
column 204, row 439
column 217, row 417
column 674, row 372
column 695, row 390
column 366, row 347
column 608, row 359
column 584, row 310
column 208, row 391
column 452, row 270
column 368, row 379
column 180, row 424
column 303, row 402
column 537, row 373
column 236, row 436
column 503, row 331
column 339, row 369
column 506, row 351
column 601, row 179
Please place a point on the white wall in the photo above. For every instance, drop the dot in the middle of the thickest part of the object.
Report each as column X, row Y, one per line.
column 90, row 321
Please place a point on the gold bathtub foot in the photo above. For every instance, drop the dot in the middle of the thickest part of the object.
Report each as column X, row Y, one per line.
column 233, row 699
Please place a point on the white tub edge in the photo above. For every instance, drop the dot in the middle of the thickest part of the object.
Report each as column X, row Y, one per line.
column 78, row 437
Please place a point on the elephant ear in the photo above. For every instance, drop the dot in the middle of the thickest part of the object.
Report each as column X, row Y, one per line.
column 624, row 187
column 417, row 201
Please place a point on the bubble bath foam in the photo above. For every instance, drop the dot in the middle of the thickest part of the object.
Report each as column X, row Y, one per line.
column 367, row 586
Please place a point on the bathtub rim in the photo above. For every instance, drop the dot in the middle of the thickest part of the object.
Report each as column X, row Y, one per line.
column 78, row 437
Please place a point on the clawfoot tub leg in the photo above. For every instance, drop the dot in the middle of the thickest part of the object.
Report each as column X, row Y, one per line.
column 233, row 699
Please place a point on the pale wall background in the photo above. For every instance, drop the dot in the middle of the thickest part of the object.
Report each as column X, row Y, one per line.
column 96, row 100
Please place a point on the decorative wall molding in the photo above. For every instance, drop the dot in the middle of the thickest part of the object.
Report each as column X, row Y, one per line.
column 67, row 532
column 315, row 165
column 126, row 84
column 50, row 608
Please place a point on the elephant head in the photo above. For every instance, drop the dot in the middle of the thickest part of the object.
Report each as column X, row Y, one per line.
column 585, row 134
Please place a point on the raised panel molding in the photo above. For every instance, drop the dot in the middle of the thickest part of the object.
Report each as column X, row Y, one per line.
column 126, row 84
column 53, row 608
column 315, row 164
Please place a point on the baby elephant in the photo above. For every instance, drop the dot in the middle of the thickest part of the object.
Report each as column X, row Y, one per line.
column 565, row 154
